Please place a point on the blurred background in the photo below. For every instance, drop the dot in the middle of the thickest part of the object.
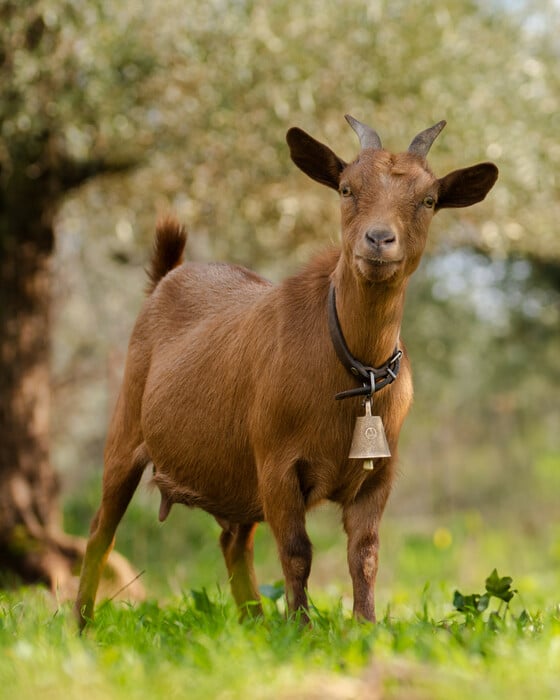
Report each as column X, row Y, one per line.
column 112, row 114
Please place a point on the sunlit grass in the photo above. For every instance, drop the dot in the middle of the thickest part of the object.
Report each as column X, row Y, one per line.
column 185, row 640
column 194, row 647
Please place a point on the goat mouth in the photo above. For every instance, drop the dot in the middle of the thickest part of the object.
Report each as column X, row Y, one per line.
column 377, row 269
column 377, row 262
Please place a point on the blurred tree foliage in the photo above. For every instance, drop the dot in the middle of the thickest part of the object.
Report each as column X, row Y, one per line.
column 199, row 96
column 230, row 77
column 482, row 435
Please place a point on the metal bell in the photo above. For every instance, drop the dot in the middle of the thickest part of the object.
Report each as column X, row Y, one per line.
column 369, row 441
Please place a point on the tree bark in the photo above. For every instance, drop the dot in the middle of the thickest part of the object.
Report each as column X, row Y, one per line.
column 33, row 546
column 28, row 486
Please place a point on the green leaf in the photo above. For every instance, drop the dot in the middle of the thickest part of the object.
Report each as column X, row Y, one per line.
column 272, row 591
column 473, row 603
column 500, row 587
column 495, row 622
column 525, row 620
column 202, row 602
column 482, row 602
column 458, row 601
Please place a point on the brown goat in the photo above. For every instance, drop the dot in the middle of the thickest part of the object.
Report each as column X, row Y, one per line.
column 230, row 381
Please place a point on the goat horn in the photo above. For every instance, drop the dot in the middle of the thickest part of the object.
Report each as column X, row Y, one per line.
column 368, row 137
column 421, row 144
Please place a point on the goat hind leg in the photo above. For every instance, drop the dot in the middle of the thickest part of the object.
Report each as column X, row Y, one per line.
column 236, row 542
column 119, row 484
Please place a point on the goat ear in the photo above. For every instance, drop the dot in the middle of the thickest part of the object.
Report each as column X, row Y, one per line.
column 314, row 158
column 467, row 186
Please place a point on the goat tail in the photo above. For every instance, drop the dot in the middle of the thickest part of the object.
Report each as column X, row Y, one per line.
column 169, row 244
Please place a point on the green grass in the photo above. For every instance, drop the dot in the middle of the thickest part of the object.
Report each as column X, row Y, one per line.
column 185, row 640
column 194, row 647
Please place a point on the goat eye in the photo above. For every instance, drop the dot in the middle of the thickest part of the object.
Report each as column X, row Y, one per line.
column 428, row 201
column 345, row 191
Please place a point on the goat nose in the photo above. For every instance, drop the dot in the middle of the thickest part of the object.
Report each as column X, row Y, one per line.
column 380, row 236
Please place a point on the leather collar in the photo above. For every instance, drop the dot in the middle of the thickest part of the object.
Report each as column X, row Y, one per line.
column 373, row 378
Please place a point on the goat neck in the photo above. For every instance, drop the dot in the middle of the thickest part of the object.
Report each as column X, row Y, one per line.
column 370, row 315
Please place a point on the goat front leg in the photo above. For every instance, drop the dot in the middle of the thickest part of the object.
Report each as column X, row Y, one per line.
column 284, row 508
column 236, row 542
column 361, row 522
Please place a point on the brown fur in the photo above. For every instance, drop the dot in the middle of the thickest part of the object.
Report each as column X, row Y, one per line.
column 230, row 381
column 169, row 244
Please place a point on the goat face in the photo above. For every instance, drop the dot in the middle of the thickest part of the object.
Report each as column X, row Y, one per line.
column 387, row 204
column 388, row 201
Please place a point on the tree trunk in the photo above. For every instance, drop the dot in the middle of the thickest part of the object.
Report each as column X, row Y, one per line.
column 28, row 485
column 33, row 547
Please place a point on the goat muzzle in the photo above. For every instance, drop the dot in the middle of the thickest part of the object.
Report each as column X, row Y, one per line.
column 380, row 238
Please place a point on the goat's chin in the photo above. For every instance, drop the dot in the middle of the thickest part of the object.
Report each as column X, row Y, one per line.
column 374, row 270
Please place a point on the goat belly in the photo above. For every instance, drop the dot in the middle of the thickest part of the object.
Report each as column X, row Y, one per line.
column 242, row 509
column 235, row 507
column 224, row 485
